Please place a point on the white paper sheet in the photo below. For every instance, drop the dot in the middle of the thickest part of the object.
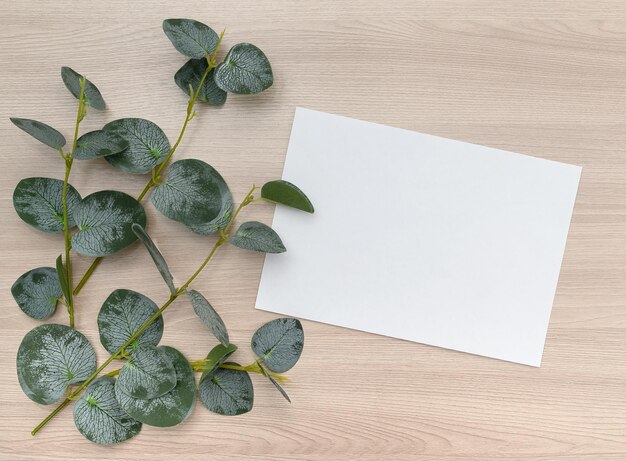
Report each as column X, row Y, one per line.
column 420, row 237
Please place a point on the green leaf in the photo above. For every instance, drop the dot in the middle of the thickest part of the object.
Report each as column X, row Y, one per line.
column 195, row 194
column 62, row 277
column 99, row 416
column 98, row 143
column 92, row 97
column 37, row 292
column 227, row 392
column 190, row 75
column 123, row 313
column 216, row 357
column 147, row 145
column 148, row 373
column 39, row 202
column 256, row 236
column 171, row 408
column 279, row 343
column 245, row 70
column 285, row 193
column 156, row 255
column 191, row 38
column 41, row 132
column 104, row 221
column 50, row 358
column 209, row 316
column 274, row 382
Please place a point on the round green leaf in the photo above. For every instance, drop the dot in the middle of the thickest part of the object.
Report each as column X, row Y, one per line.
column 245, row 70
column 50, row 358
column 98, row 143
column 148, row 373
column 279, row 343
column 39, row 202
column 156, row 255
column 92, row 97
column 257, row 236
column 147, row 145
column 41, row 132
column 99, row 416
column 104, row 221
column 195, row 194
column 190, row 75
column 209, row 316
column 37, row 292
column 123, row 313
column 171, row 408
column 191, row 38
column 287, row 194
column 227, row 392
column 216, row 357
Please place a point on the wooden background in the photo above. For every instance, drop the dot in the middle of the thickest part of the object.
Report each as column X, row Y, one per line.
column 546, row 78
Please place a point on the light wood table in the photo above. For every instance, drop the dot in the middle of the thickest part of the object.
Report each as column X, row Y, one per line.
column 545, row 78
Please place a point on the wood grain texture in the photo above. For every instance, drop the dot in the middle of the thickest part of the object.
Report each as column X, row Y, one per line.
column 545, row 78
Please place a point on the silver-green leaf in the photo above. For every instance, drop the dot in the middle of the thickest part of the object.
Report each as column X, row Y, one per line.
column 104, row 221
column 50, row 358
column 285, row 193
column 39, row 202
column 99, row 416
column 41, row 132
column 99, row 143
column 279, row 343
column 156, row 255
column 123, row 313
column 256, row 236
column 227, row 392
column 92, row 96
column 274, row 382
column 209, row 316
column 148, row 373
column 191, row 38
column 216, row 357
column 37, row 292
column 190, row 75
column 245, row 70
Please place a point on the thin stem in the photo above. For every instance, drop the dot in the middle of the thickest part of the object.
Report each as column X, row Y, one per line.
column 96, row 262
column 254, row 368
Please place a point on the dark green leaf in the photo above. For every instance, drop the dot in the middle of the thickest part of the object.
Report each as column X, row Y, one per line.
column 256, row 236
column 123, row 313
column 41, row 132
column 171, row 408
column 37, row 292
column 104, row 221
column 98, row 143
column 227, row 392
column 39, row 202
column 92, row 96
column 156, row 255
column 209, row 316
column 148, row 145
column 191, row 38
column 285, row 193
column 62, row 277
column 149, row 373
column 216, row 357
column 274, row 382
column 190, row 75
column 279, row 343
column 50, row 358
column 245, row 70
column 99, row 416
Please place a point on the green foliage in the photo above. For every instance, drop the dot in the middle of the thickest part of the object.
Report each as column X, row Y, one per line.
column 41, row 132
column 227, row 392
column 98, row 143
column 215, row 358
column 274, row 382
column 191, row 38
column 209, row 316
column 148, row 373
column 61, row 272
column 285, row 193
column 245, row 70
column 156, row 255
column 37, row 292
column 72, row 81
column 190, row 75
column 279, row 343
column 257, row 236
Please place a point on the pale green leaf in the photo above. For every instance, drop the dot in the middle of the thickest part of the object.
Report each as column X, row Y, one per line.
column 227, row 392
column 287, row 194
column 209, row 316
column 148, row 373
column 245, row 70
column 92, row 97
column 190, row 74
column 37, row 292
column 41, row 132
column 256, row 236
column 98, row 143
column 156, row 255
column 216, row 357
column 279, row 343
column 191, row 38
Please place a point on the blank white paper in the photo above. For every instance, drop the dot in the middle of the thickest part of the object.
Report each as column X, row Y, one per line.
column 420, row 237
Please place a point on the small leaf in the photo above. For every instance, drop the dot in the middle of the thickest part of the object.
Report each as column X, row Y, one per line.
column 39, row 202
column 104, row 221
column 171, row 408
column 92, row 96
column 99, row 416
column 147, row 145
column 245, row 70
column 62, row 277
column 149, row 373
column 256, row 236
column 227, row 392
column 216, row 357
column 285, row 193
column 188, row 78
column 191, row 38
column 209, row 316
column 194, row 194
column 123, row 313
column 41, row 132
column 156, row 255
column 50, row 358
column 274, row 382
column 279, row 343
column 98, row 143
column 37, row 292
